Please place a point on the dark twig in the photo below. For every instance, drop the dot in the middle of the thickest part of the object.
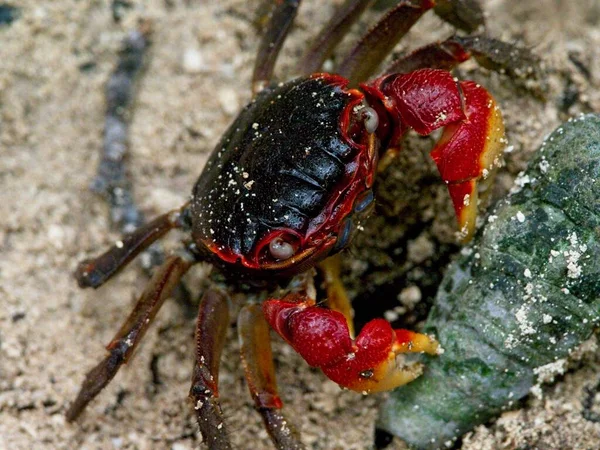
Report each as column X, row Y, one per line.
column 112, row 181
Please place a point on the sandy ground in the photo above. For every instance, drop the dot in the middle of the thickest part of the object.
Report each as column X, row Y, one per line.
column 54, row 61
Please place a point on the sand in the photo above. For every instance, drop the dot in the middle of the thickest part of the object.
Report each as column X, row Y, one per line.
column 55, row 58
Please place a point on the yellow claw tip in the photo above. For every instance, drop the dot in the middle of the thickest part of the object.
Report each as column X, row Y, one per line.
column 387, row 376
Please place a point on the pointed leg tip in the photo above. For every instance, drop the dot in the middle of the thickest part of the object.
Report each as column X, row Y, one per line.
column 72, row 414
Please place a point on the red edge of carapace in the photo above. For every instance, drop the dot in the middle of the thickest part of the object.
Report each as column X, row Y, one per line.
column 323, row 229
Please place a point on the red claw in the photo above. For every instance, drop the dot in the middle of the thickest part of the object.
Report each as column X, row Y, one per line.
column 473, row 138
column 322, row 338
column 469, row 152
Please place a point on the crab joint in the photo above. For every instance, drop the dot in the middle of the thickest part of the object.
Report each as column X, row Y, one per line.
column 367, row 364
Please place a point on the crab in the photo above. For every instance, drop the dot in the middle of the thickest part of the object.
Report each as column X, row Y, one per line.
column 285, row 190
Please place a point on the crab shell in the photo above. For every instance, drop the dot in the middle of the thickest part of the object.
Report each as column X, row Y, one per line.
column 297, row 166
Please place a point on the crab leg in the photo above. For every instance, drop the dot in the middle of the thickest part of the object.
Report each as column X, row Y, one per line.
column 471, row 144
column 367, row 55
column 494, row 54
column 96, row 271
column 337, row 297
column 441, row 55
column 366, row 364
column 464, row 14
column 211, row 328
column 278, row 27
column 132, row 331
column 490, row 53
column 331, row 34
column 260, row 374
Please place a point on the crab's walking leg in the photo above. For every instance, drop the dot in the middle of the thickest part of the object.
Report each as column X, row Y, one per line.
column 464, row 14
column 441, row 55
column 367, row 55
column 211, row 328
column 96, row 271
column 260, row 374
column 132, row 331
column 278, row 27
column 471, row 144
column 365, row 364
column 337, row 297
column 112, row 180
column 381, row 39
column 516, row 62
column 331, row 34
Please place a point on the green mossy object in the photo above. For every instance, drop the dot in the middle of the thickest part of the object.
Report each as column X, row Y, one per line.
column 526, row 294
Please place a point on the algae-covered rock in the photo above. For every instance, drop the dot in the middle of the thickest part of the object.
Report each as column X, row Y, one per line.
column 522, row 296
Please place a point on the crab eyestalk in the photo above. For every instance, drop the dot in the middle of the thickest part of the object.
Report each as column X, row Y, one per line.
column 366, row 364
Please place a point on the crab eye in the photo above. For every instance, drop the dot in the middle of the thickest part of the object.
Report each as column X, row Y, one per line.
column 371, row 119
column 281, row 249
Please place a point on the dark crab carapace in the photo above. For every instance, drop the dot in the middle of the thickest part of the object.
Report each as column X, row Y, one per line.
column 286, row 188
column 272, row 197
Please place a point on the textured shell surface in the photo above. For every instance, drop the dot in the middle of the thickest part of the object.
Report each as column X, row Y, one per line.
column 274, row 167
